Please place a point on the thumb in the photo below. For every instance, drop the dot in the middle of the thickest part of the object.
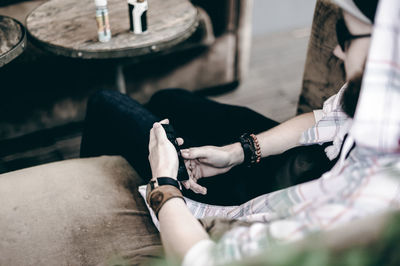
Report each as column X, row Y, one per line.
column 159, row 132
column 194, row 153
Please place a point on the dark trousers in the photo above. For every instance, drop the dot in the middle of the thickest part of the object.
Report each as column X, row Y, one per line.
column 118, row 125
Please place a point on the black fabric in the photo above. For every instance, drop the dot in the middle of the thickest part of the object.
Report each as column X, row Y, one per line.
column 367, row 7
column 118, row 125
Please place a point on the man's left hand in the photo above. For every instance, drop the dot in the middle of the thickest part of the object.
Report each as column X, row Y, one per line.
column 162, row 154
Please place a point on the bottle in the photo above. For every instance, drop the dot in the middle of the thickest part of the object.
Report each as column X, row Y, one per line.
column 103, row 23
column 138, row 16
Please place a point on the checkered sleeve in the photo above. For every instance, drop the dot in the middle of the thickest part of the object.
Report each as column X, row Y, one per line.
column 329, row 121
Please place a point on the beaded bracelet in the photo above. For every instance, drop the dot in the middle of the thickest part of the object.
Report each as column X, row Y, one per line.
column 258, row 149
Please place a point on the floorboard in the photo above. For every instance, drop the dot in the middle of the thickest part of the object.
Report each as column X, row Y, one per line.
column 273, row 84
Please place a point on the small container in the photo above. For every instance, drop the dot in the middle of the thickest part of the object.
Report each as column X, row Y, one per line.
column 138, row 16
column 103, row 23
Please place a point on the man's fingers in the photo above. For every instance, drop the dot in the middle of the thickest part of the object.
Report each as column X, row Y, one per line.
column 159, row 131
column 180, row 141
column 152, row 136
column 196, row 188
column 164, row 121
column 194, row 153
column 186, row 184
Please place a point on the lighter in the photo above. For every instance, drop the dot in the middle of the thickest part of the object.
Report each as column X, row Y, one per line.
column 138, row 16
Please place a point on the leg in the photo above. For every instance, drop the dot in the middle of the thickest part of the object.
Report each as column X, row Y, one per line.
column 205, row 121
column 209, row 123
column 118, row 125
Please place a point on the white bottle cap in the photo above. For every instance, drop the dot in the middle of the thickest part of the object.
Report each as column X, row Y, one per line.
column 100, row 2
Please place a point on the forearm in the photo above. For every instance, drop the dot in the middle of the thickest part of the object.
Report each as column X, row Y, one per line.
column 286, row 135
column 179, row 229
column 278, row 139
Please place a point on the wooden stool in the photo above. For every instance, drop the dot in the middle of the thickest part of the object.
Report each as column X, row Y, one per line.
column 68, row 28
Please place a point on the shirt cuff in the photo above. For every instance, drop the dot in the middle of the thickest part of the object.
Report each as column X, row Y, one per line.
column 318, row 114
column 200, row 254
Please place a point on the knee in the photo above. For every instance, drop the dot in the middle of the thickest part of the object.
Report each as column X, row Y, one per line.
column 100, row 99
column 168, row 95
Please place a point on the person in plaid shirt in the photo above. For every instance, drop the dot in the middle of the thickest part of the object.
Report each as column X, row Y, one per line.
column 364, row 181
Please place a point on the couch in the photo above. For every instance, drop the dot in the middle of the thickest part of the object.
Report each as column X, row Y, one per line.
column 76, row 212
column 38, row 92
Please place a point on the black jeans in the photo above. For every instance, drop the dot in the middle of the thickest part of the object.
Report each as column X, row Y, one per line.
column 118, row 125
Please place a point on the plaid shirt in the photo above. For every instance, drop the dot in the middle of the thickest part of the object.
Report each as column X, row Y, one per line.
column 332, row 124
column 364, row 181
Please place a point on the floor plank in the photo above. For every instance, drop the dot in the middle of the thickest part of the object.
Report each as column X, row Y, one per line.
column 273, row 85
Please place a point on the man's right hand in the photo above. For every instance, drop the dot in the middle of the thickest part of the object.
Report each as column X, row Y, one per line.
column 209, row 161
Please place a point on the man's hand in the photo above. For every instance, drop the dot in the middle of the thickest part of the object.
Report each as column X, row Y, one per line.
column 209, row 161
column 162, row 154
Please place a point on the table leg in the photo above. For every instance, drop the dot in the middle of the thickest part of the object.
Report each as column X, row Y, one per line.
column 120, row 79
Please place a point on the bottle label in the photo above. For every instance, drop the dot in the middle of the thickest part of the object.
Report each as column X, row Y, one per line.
column 103, row 25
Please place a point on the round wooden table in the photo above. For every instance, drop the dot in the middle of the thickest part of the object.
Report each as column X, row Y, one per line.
column 68, row 28
column 13, row 39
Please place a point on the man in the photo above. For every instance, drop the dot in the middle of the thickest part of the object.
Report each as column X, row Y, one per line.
column 364, row 181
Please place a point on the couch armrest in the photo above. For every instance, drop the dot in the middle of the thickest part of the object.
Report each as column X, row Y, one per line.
column 75, row 212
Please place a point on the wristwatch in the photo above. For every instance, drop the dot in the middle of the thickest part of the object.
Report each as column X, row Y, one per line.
column 160, row 191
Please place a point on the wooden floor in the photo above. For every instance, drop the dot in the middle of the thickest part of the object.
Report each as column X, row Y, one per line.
column 273, row 84
column 271, row 88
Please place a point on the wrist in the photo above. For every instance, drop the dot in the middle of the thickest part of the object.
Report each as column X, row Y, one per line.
column 251, row 149
column 164, row 173
column 171, row 205
column 161, row 191
column 236, row 153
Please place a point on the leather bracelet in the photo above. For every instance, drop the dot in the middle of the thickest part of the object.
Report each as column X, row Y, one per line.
column 251, row 149
column 156, row 197
column 247, row 148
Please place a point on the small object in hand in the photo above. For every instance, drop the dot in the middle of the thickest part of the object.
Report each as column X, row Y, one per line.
column 138, row 16
column 103, row 22
column 182, row 172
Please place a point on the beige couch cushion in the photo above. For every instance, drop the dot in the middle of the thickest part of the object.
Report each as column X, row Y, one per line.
column 75, row 212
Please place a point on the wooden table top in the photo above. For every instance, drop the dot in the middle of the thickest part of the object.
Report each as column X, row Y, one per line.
column 68, row 27
column 12, row 39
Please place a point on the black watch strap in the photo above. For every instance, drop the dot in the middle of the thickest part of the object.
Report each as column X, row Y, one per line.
column 162, row 181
